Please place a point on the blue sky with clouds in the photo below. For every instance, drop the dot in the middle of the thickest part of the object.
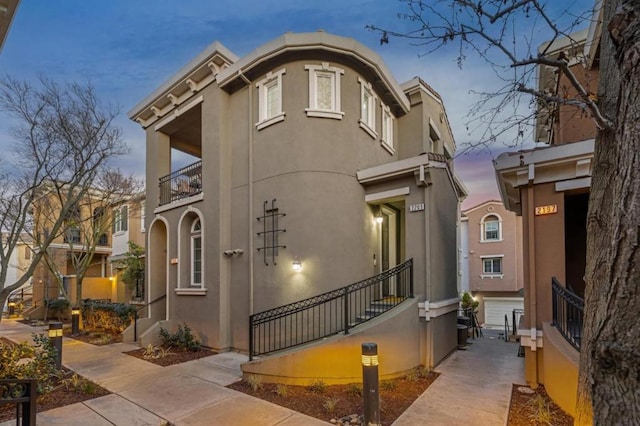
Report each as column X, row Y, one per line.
column 127, row 48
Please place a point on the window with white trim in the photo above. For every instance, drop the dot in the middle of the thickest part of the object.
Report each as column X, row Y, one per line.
column 491, row 228
column 492, row 266
column 324, row 91
column 387, row 129
column 270, row 99
column 120, row 219
column 367, row 108
column 196, row 254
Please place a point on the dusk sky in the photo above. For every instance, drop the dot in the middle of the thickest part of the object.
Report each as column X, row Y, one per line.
column 127, row 48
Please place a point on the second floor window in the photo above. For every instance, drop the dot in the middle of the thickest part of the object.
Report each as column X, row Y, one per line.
column 387, row 129
column 367, row 108
column 120, row 219
column 492, row 266
column 324, row 91
column 270, row 99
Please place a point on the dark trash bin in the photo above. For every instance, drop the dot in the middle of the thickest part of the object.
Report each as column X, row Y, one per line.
column 463, row 331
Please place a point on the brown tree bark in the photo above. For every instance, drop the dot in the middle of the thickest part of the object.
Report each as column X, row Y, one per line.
column 609, row 388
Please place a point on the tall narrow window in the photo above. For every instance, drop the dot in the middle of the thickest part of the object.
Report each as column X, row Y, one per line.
column 120, row 219
column 270, row 99
column 324, row 91
column 387, row 130
column 367, row 108
column 196, row 254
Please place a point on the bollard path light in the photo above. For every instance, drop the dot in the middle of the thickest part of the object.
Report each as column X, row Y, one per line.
column 55, row 335
column 370, row 391
column 75, row 320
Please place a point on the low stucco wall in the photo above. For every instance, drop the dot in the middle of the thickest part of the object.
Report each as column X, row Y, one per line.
column 560, row 364
column 337, row 360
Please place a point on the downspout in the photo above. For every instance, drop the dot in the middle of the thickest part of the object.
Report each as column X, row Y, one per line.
column 250, row 227
column 532, row 273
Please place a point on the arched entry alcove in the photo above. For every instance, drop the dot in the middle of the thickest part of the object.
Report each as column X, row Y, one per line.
column 157, row 264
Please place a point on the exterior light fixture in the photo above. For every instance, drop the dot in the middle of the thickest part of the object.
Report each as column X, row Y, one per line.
column 297, row 265
column 370, row 387
column 379, row 218
column 75, row 320
column 55, row 334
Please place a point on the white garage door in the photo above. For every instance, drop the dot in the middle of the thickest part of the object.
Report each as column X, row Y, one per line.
column 495, row 308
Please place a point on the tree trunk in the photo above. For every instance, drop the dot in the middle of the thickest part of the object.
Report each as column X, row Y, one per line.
column 609, row 387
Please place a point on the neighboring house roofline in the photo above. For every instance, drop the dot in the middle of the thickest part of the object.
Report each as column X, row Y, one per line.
column 480, row 205
column 563, row 163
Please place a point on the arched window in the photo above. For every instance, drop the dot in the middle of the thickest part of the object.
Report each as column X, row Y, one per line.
column 196, row 254
column 491, row 228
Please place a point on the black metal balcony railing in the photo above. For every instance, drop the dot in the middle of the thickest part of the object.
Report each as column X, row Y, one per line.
column 329, row 313
column 568, row 313
column 182, row 183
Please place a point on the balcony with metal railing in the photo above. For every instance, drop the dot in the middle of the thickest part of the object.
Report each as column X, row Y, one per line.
column 180, row 184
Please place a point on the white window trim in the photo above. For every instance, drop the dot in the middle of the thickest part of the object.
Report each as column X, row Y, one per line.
column 143, row 215
column 482, row 228
column 263, row 85
column 313, row 110
column 368, row 125
column 492, row 275
column 192, row 236
column 386, row 139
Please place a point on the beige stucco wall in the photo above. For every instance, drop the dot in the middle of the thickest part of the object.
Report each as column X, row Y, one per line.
column 338, row 359
column 560, row 364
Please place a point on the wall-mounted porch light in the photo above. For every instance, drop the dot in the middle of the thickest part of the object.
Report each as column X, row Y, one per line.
column 297, row 265
column 379, row 219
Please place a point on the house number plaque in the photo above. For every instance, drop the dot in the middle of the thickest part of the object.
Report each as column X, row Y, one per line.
column 550, row 209
column 416, row 207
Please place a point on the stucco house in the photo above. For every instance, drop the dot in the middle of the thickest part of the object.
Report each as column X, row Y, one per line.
column 313, row 171
column 492, row 262
column 549, row 188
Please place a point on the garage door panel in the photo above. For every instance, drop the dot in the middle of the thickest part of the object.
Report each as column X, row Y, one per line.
column 496, row 308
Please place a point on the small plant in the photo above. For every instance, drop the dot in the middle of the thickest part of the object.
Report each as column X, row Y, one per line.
column 317, row 386
column 388, row 385
column 254, row 382
column 329, row 404
column 411, row 376
column 22, row 361
column 282, row 390
column 354, row 389
column 541, row 411
column 468, row 302
column 182, row 339
column 102, row 339
column 423, row 372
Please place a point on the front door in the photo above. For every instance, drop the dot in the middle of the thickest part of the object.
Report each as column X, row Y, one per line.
column 389, row 250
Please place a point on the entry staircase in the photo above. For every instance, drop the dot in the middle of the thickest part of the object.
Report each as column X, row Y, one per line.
column 330, row 313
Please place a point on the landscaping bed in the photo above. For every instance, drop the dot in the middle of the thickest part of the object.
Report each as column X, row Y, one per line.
column 98, row 337
column 342, row 404
column 165, row 356
column 534, row 407
column 63, row 387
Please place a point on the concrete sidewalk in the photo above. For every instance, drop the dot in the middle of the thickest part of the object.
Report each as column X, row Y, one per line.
column 474, row 387
column 191, row 393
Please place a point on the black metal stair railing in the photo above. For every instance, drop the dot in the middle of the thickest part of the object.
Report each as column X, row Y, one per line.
column 568, row 313
column 329, row 313
column 182, row 183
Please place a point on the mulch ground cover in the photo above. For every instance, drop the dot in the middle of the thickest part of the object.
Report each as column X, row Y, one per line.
column 169, row 356
column 535, row 407
column 68, row 388
column 342, row 403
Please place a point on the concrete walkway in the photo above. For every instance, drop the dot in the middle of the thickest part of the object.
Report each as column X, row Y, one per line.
column 473, row 388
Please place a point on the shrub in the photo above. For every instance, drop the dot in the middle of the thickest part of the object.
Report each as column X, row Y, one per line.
column 57, row 307
column 22, row 361
column 317, row 386
column 107, row 315
column 182, row 339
